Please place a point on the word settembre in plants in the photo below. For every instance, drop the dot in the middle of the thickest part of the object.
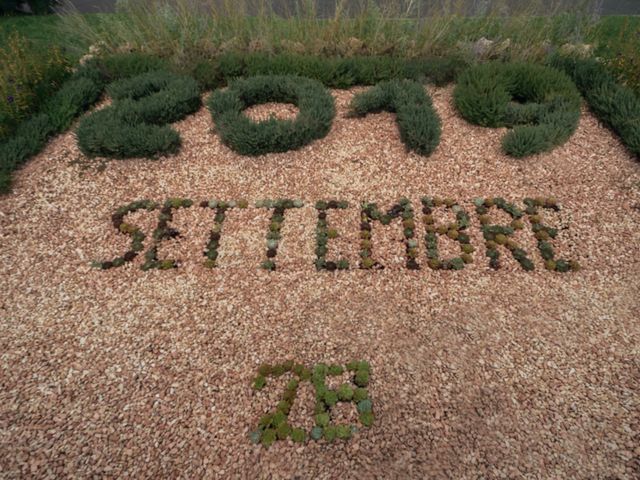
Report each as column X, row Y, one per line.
column 498, row 238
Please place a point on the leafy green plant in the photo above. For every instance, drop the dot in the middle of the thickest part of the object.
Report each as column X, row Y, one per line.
column 28, row 77
column 418, row 122
column 135, row 125
column 316, row 112
column 56, row 114
column 540, row 104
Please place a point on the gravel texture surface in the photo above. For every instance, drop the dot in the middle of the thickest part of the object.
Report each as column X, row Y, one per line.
column 476, row 373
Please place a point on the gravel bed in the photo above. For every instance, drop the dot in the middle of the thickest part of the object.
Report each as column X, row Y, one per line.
column 476, row 373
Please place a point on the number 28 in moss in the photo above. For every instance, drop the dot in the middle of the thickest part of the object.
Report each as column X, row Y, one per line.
column 275, row 426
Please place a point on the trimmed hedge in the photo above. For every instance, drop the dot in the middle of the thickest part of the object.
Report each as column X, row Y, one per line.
column 333, row 72
column 615, row 105
column 315, row 104
column 418, row 122
column 136, row 124
column 540, row 104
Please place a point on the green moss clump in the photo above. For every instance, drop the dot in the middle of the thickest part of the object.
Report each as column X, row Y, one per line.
column 366, row 418
column 283, row 430
column 298, row 435
column 322, row 419
column 330, row 398
column 345, row 392
column 360, row 394
column 284, row 406
column 353, row 366
column 259, row 382
column 343, row 432
column 367, row 263
column 268, row 437
column 316, row 433
column 278, row 418
column 362, row 378
column 330, row 433
column 335, row 370
column 364, row 406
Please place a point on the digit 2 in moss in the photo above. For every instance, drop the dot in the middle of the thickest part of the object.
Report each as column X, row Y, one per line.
column 275, row 424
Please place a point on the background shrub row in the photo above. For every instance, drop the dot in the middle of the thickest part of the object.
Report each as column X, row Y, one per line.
column 331, row 72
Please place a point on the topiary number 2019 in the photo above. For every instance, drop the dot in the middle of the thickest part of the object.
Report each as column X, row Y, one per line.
column 275, row 425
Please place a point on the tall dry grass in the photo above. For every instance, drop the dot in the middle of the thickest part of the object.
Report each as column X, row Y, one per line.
column 185, row 30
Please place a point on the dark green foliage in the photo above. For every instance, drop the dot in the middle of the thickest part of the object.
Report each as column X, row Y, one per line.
column 135, row 125
column 208, row 75
column 256, row 138
column 615, row 105
column 75, row 96
column 367, row 419
column 540, row 104
column 419, row 124
column 339, row 72
column 127, row 65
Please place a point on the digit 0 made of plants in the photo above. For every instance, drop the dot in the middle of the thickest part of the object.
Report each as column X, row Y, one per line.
column 541, row 105
column 240, row 133
column 418, row 122
column 135, row 125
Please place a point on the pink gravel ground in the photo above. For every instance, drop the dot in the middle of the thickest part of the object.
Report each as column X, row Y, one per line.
column 476, row 374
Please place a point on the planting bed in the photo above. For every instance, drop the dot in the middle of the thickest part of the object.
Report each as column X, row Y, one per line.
column 495, row 357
